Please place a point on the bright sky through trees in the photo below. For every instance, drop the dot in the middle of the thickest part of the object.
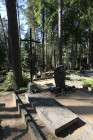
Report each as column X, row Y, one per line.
column 3, row 10
column 21, row 16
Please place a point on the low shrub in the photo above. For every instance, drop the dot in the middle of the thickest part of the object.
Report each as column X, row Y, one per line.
column 25, row 79
column 88, row 83
column 71, row 71
column 9, row 82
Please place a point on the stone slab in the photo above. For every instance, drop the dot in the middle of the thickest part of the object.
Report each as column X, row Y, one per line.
column 55, row 116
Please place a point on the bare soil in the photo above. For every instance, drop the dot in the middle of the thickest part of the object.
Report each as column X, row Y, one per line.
column 13, row 125
column 78, row 101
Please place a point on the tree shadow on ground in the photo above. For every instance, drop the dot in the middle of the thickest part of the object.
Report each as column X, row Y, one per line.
column 70, row 130
column 84, row 97
column 2, row 105
column 78, row 109
column 13, row 109
column 3, row 116
column 83, row 109
column 1, row 90
column 7, row 132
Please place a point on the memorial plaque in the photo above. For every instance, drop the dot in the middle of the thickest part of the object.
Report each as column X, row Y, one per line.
column 55, row 116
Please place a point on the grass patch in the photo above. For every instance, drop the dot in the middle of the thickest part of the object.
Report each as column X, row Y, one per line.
column 23, row 88
column 73, row 78
column 2, row 92
column 87, row 83
column 1, row 87
column 9, row 82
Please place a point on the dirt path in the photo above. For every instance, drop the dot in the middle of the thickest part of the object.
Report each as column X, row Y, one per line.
column 13, row 125
column 79, row 102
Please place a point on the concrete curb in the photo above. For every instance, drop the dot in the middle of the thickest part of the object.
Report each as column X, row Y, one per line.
column 34, row 132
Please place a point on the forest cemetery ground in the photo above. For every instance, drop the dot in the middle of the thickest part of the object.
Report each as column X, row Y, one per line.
column 79, row 102
column 12, row 123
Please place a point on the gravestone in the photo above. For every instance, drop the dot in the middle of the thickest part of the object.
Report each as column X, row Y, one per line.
column 55, row 116
column 59, row 76
column 30, row 86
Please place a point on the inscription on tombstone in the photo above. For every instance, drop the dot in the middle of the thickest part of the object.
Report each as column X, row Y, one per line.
column 59, row 76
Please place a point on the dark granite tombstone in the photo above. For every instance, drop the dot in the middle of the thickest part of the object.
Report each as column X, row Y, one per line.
column 59, row 76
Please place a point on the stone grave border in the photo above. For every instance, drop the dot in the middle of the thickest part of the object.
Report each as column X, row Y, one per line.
column 30, row 124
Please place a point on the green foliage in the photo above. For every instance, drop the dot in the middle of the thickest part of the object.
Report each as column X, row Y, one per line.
column 25, row 79
column 23, row 88
column 88, row 83
column 2, row 56
column 9, row 82
column 3, row 49
column 76, row 22
column 25, row 60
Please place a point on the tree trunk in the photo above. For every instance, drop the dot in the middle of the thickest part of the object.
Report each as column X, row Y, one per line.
column 91, row 48
column 75, row 54
column 18, row 25
column 60, row 32
column 54, row 53
column 34, row 34
column 88, row 56
column 46, row 49
column 72, row 56
column 14, row 42
column 80, row 52
column 43, row 24
column 34, row 39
